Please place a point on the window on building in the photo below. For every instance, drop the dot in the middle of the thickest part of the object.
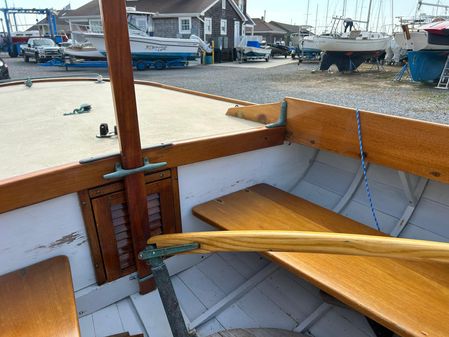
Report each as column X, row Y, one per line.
column 208, row 26
column 185, row 25
column 96, row 26
column 223, row 4
column 224, row 27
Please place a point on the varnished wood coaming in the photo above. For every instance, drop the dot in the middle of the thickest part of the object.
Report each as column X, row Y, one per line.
column 48, row 184
column 38, row 301
column 410, row 298
column 404, row 144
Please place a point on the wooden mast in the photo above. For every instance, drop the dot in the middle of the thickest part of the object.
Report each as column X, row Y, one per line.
column 115, row 26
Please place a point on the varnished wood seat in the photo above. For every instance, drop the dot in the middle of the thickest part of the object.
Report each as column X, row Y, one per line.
column 410, row 298
column 38, row 301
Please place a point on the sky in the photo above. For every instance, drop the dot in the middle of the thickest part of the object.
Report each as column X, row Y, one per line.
column 294, row 11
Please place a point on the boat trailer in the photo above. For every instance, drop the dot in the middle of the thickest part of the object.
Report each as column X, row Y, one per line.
column 68, row 63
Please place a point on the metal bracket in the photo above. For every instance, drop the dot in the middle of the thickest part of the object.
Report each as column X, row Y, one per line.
column 282, row 121
column 120, row 172
column 154, row 257
column 152, row 252
column 28, row 83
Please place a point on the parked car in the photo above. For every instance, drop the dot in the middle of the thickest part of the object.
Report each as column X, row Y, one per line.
column 40, row 49
column 4, row 72
column 279, row 49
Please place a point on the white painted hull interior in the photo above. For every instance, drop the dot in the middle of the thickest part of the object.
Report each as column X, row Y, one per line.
column 274, row 298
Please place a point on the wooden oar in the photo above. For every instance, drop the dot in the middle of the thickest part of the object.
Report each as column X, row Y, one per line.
column 308, row 242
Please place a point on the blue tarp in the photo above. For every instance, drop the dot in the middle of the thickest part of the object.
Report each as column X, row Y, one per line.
column 253, row 44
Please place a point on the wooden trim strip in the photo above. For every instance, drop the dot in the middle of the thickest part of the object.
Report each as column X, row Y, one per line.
column 91, row 228
column 194, row 92
column 43, row 185
column 261, row 113
column 308, row 242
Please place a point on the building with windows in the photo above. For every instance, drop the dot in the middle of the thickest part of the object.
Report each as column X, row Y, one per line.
column 222, row 22
column 292, row 32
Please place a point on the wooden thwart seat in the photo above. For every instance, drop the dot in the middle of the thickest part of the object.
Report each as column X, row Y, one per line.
column 409, row 298
column 38, row 301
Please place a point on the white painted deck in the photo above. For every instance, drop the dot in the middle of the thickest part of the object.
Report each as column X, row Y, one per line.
column 36, row 135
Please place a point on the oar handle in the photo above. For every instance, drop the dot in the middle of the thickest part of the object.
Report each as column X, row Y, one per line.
column 307, row 242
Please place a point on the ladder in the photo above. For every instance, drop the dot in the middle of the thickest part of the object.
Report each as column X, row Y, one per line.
column 444, row 79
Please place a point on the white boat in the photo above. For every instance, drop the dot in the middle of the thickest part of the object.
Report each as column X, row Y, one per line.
column 349, row 50
column 83, row 51
column 355, row 41
column 153, row 48
column 309, row 44
column 250, row 48
column 424, row 32
column 426, row 37
column 419, row 40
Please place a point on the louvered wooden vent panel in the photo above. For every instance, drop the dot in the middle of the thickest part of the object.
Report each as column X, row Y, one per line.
column 122, row 233
column 122, row 230
column 114, row 230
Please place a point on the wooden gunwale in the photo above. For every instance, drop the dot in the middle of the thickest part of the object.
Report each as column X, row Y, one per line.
column 32, row 188
column 409, row 145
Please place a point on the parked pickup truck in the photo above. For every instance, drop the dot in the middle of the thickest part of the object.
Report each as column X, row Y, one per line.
column 40, row 49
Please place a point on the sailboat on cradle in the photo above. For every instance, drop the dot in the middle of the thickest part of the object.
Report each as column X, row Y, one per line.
column 428, row 44
column 349, row 49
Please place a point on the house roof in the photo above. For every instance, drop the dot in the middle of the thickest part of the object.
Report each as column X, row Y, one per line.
column 61, row 23
column 265, row 27
column 285, row 26
column 163, row 7
column 291, row 28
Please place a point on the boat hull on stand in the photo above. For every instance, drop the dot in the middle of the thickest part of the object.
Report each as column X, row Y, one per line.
column 330, row 44
column 425, row 65
column 347, row 61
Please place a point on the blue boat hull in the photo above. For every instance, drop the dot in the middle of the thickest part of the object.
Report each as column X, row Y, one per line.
column 426, row 66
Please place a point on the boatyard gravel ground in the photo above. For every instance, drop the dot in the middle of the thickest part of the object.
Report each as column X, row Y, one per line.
column 367, row 89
